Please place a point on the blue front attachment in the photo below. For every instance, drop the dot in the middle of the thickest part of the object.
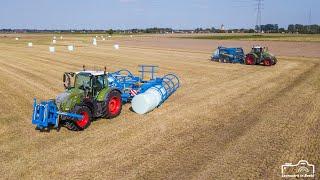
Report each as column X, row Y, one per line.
column 46, row 114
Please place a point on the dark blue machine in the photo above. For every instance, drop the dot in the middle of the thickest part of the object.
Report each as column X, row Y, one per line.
column 228, row 55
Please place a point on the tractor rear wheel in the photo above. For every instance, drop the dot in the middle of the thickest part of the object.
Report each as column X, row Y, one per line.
column 250, row 60
column 80, row 124
column 113, row 105
column 267, row 62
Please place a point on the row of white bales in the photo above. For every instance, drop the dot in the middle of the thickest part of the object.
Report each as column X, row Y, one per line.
column 71, row 47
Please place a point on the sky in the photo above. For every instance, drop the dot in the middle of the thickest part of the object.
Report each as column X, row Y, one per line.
column 177, row 14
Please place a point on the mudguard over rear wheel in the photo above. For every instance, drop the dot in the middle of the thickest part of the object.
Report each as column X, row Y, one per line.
column 80, row 124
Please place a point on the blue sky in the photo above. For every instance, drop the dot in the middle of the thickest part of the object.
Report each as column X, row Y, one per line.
column 178, row 14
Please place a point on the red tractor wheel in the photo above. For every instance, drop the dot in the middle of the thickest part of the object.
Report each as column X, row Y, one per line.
column 113, row 105
column 250, row 60
column 267, row 62
column 80, row 124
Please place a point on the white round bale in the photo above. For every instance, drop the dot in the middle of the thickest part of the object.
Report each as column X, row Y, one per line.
column 116, row 46
column 52, row 49
column 94, row 41
column 70, row 48
column 147, row 101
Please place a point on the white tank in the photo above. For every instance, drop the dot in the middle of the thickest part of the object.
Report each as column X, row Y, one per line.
column 147, row 101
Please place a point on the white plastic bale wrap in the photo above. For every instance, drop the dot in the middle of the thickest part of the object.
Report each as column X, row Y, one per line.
column 147, row 101
column 94, row 42
column 52, row 49
column 70, row 48
column 116, row 46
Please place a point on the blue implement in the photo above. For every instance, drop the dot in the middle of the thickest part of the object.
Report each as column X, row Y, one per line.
column 46, row 114
column 125, row 81
column 231, row 55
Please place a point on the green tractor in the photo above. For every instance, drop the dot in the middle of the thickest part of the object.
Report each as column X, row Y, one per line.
column 88, row 94
column 260, row 55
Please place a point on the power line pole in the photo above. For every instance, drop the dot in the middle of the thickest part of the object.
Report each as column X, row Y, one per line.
column 259, row 15
column 309, row 21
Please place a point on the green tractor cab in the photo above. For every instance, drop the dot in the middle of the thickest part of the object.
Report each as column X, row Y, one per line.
column 260, row 55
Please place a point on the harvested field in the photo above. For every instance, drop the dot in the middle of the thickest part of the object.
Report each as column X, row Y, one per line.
column 226, row 121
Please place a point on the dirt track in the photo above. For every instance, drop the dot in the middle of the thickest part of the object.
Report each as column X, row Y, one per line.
column 226, row 121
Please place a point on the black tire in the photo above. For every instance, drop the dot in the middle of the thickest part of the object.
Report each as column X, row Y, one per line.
column 250, row 59
column 275, row 61
column 82, row 124
column 267, row 62
column 112, row 105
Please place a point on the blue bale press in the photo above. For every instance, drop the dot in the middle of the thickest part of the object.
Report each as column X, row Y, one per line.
column 228, row 55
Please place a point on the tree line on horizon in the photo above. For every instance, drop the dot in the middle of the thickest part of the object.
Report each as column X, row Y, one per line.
column 267, row 28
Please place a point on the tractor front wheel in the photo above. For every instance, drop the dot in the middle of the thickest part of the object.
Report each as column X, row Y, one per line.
column 113, row 105
column 275, row 61
column 80, row 124
column 250, row 60
column 267, row 62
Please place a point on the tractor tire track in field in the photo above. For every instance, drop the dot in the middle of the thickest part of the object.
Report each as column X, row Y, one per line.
column 224, row 135
column 192, row 130
column 251, row 120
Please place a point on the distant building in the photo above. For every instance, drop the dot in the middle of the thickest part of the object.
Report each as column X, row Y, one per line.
column 222, row 27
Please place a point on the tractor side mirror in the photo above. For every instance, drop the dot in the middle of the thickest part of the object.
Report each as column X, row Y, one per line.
column 67, row 78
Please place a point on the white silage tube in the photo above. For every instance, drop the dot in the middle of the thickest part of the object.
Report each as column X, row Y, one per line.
column 147, row 101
